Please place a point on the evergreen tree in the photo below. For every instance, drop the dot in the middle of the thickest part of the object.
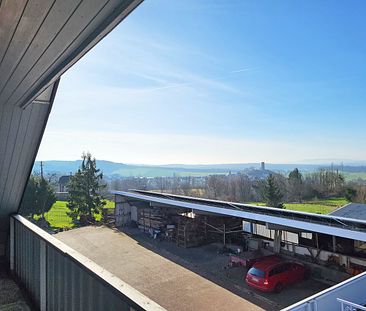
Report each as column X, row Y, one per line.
column 295, row 185
column 29, row 207
column 46, row 196
column 271, row 193
column 84, row 188
column 38, row 197
column 350, row 194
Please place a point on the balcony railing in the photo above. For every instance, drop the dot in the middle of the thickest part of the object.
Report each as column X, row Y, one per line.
column 337, row 297
column 57, row 277
column 350, row 306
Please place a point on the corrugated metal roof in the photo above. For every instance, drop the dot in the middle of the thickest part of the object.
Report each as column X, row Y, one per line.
column 351, row 210
column 40, row 40
column 337, row 226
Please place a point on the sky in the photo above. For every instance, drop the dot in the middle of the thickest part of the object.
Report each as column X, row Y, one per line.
column 218, row 82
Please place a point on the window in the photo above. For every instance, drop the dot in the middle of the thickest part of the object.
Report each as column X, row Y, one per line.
column 306, row 235
column 257, row 272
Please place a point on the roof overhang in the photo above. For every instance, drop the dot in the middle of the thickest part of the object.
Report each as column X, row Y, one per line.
column 39, row 41
column 252, row 215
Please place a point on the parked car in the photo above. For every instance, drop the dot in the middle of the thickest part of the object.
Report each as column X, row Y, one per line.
column 273, row 274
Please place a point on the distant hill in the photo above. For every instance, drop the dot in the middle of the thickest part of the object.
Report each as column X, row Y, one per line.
column 128, row 170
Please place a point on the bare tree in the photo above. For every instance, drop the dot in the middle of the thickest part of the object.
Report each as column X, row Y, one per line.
column 215, row 186
column 244, row 188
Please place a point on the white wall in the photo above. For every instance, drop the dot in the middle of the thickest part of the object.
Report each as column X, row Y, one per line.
column 292, row 245
column 122, row 214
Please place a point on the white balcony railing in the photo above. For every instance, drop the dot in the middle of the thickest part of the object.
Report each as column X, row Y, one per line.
column 350, row 306
column 332, row 298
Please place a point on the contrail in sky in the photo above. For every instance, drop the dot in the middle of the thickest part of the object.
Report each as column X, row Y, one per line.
column 202, row 80
column 244, row 69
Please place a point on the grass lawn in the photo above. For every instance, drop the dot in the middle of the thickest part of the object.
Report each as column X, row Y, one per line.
column 58, row 218
column 310, row 208
column 315, row 206
column 256, row 203
column 110, row 204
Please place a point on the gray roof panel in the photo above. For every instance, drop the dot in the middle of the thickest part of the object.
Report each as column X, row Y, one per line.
column 351, row 210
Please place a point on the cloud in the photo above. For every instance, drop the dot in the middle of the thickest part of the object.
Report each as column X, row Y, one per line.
column 143, row 84
column 157, row 63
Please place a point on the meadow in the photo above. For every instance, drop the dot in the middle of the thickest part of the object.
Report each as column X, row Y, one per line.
column 324, row 206
column 58, row 218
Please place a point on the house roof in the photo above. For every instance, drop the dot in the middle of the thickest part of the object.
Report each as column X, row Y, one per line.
column 39, row 41
column 64, row 179
column 351, row 210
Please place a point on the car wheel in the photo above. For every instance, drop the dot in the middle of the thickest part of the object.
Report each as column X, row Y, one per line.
column 278, row 288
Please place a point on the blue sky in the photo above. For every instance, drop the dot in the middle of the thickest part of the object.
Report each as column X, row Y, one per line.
column 218, row 82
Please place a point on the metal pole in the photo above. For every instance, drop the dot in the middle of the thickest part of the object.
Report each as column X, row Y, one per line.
column 334, row 243
column 317, row 240
column 224, row 235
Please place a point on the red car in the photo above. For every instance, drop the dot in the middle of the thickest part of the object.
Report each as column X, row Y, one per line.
column 273, row 274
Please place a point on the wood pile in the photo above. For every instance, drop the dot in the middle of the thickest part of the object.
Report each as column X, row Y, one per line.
column 190, row 232
column 151, row 218
column 185, row 231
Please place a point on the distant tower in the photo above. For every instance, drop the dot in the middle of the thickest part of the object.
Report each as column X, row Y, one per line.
column 263, row 167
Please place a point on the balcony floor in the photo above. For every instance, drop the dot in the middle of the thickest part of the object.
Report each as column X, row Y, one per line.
column 11, row 296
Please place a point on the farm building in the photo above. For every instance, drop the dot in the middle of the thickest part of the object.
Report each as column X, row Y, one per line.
column 62, row 183
column 333, row 247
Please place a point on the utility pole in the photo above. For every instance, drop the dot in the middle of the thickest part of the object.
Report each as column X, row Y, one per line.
column 42, row 170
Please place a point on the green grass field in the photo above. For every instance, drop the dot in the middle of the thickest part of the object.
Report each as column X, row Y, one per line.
column 57, row 216
column 315, row 206
column 310, row 208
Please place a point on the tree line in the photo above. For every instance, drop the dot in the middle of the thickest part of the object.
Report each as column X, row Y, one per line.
column 274, row 190
column 277, row 188
column 88, row 189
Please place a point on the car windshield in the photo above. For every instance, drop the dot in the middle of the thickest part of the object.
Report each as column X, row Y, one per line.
column 256, row 272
